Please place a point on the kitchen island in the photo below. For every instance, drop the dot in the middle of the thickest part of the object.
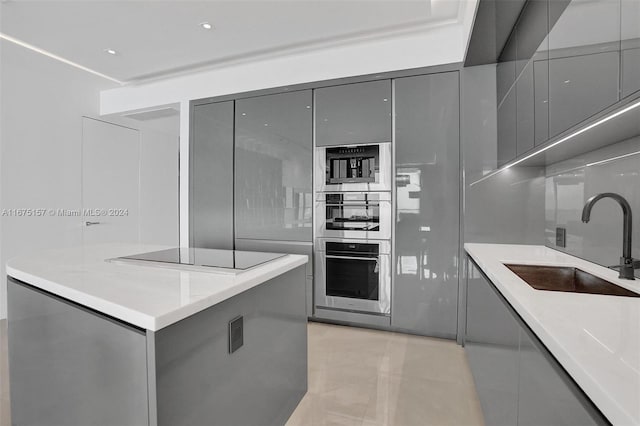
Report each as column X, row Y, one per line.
column 550, row 357
column 93, row 342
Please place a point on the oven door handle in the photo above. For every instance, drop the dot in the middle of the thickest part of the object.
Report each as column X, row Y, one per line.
column 370, row 259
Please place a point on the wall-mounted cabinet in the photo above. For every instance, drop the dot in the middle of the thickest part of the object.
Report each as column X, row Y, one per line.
column 353, row 113
column 518, row 380
column 564, row 63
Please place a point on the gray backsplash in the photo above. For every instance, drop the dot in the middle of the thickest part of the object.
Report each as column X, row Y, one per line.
column 568, row 185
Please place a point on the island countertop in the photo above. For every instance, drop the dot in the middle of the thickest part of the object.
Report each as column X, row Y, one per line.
column 148, row 297
column 596, row 338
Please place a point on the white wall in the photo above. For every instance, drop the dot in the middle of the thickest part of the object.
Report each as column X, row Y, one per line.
column 40, row 156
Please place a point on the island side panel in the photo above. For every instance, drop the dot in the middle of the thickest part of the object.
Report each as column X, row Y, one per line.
column 200, row 383
column 72, row 366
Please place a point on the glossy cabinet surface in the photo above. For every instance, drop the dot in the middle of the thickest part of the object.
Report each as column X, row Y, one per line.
column 581, row 86
column 546, row 396
column 518, row 381
column 507, row 132
column 491, row 345
column 584, row 62
column 273, row 163
column 353, row 113
column 425, row 288
column 289, row 247
column 564, row 62
column 211, row 198
column 630, row 45
column 72, row 366
column 506, row 76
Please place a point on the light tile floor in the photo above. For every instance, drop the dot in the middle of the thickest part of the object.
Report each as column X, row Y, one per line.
column 365, row 377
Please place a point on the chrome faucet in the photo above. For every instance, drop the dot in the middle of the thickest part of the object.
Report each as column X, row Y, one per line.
column 627, row 263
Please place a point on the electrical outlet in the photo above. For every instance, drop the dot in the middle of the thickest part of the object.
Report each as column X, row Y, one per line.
column 561, row 237
column 236, row 334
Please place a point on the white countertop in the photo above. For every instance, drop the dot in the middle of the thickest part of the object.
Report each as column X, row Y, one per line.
column 596, row 338
column 146, row 296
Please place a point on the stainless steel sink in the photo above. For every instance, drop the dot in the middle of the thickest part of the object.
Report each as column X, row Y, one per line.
column 568, row 279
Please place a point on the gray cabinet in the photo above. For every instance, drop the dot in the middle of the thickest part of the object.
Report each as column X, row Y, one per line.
column 564, row 62
column 581, row 86
column 289, row 247
column 630, row 45
column 211, row 183
column 506, row 74
column 507, row 128
column 546, row 396
column 425, row 286
column 273, row 163
column 584, row 62
column 518, row 381
column 353, row 113
column 491, row 344
column 71, row 365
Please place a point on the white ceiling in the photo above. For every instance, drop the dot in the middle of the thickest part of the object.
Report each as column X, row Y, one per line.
column 160, row 38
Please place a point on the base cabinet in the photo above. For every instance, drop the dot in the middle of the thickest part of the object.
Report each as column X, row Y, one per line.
column 73, row 366
column 517, row 379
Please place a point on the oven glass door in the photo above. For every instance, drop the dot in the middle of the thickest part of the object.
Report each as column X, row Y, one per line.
column 354, row 215
column 351, row 216
column 355, row 278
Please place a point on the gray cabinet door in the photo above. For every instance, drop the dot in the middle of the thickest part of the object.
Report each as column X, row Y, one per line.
column 425, row 287
column 546, row 395
column 584, row 62
column 507, row 128
column 491, row 344
column 630, row 44
column 506, row 73
column 289, row 247
column 541, row 100
column 71, row 366
column 525, row 107
column 353, row 113
column 273, row 163
column 581, row 86
column 211, row 197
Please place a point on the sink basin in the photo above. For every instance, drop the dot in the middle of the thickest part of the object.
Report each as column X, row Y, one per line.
column 565, row 278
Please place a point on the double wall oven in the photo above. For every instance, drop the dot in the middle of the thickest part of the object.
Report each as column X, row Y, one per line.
column 353, row 228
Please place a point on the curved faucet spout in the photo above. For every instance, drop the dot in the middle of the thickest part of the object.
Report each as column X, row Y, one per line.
column 627, row 221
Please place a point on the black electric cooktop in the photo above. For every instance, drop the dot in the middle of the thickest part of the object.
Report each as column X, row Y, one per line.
column 202, row 257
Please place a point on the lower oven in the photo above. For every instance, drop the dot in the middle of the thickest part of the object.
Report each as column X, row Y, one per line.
column 353, row 275
column 360, row 215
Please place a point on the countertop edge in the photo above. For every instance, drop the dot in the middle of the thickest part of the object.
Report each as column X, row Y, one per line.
column 607, row 405
column 155, row 323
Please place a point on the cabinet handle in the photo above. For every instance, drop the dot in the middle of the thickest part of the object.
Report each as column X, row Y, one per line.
column 91, row 223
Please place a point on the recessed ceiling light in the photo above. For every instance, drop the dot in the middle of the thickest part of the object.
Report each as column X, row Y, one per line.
column 110, row 51
column 308, row 106
column 385, row 99
column 206, row 25
column 244, row 113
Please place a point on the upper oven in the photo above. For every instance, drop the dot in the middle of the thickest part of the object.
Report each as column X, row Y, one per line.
column 353, row 167
column 353, row 215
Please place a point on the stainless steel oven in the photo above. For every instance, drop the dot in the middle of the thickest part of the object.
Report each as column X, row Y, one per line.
column 353, row 167
column 353, row 275
column 353, row 215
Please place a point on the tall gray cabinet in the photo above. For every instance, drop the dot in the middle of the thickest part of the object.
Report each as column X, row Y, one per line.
column 211, row 175
column 273, row 163
column 427, row 146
